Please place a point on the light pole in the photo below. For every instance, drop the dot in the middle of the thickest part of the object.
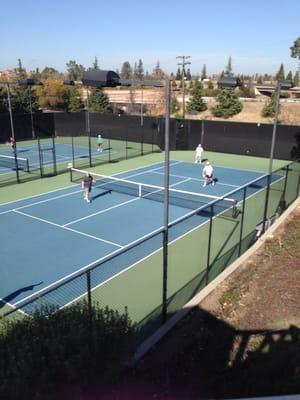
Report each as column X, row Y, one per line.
column 99, row 78
column 183, row 63
column 280, row 86
column 12, row 131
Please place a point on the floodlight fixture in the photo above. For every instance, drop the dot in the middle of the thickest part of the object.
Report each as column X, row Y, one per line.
column 29, row 82
column 229, row 82
column 69, row 82
column 100, row 78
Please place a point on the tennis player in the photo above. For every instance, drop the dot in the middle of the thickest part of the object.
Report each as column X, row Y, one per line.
column 12, row 143
column 99, row 143
column 86, row 185
column 199, row 152
column 208, row 174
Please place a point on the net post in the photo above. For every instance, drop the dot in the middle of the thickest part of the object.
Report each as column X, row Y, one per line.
column 54, row 155
column 140, row 190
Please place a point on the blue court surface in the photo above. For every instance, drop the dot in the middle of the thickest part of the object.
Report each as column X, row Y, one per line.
column 30, row 152
column 47, row 237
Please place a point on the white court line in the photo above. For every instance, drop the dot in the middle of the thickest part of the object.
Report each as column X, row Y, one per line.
column 150, row 170
column 115, row 252
column 68, row 187
column 41, row 201
column 197, row 179
column 118, row 205
column 101, row 212
column 68, row 229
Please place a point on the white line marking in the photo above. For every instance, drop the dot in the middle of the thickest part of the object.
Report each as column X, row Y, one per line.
column 70, row 186
column 101, row 212
column 66, row 228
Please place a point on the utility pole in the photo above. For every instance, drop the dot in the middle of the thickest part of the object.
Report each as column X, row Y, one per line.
column 183, row 63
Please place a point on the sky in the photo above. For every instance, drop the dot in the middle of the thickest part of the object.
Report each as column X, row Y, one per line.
column 256, row 34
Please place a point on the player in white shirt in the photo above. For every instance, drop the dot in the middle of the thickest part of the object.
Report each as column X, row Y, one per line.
column 208, row 174
column 199, row 152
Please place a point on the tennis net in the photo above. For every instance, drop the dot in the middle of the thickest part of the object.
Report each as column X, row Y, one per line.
column 10, row 162
column 181, row 198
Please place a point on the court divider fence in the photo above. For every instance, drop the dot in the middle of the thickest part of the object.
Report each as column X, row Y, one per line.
column 74, row 140
column 201, row 245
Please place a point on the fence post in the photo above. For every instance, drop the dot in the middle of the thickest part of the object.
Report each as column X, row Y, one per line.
column 242, row 220
column 209, row 243
column 266, row 202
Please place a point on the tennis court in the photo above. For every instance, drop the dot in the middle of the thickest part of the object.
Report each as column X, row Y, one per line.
column 49, row 237
column 28, row 155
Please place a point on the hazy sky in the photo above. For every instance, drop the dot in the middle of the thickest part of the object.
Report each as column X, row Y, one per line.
column 257, row 34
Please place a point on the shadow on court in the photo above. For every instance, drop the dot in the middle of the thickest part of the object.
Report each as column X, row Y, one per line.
column 16, row 293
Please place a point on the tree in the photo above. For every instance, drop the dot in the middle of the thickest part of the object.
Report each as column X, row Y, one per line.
column 280, row 76
column 188, row 75
column 75, row 71
column 203, row 73
column 53, row 95
column 196, row 103
column 174, row 106
column 95, row 63
column 295, row 51
column 289, row 76
column 126, row 71
column 228, row 68
column 228, row 104
column 21, row 97
column 75, row 100
column 98, row 101
column 3, row 100
column 140, row 70
column 20, row 70
column 158, row 73
column 296, row 80
column 178, row 74
column 50, row 73
column 269, row 108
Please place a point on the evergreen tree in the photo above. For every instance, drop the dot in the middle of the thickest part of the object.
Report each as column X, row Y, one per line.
column 140, row 70
column 228, row 104
column 95, row 63
column 75, row 71
column 126, row 71
column 20, row 70
column 296, row 80
column 269, row 108
column 50, row 73
column 174, row 106
column 295, row 51
column 178, row 74
column 196, row 103
column 98, row 101
column 3, row 100
column 203, row 73
column 158, row 73
column 188, row 75
column 289, row 77
column 228, row 68
column 75, row 101
column 21, row 97
column 280, row 76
